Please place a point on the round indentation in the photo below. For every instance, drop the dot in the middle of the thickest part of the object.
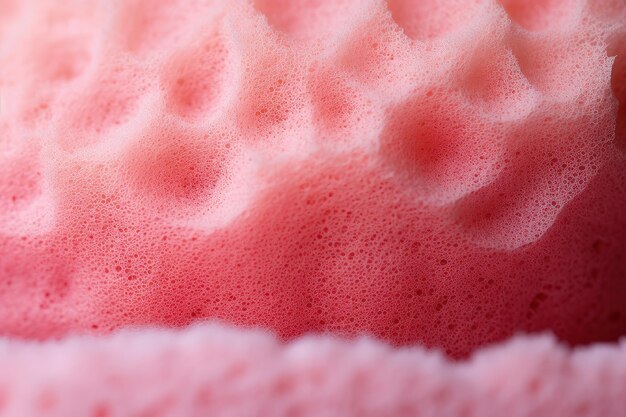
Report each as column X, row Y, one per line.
column 270, row 94
column 440, row 145
column 495, row 82
column 103, row 109
column 556, row 66
column 20, row 178
column 62, row 60
column 381, row 57
column 109, row 102
column 538, row 15
column 8, row 10
column 541, row 172
column 429, row 19
column 195, row 78
column 309, row 19
column 332, row 100
column 174, row 164
column 25, row 197
column 608, row 10
column 145, row 25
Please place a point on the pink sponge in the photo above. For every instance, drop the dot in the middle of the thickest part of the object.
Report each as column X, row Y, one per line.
column 435, row 172
column 220, row 371
column 441, row 173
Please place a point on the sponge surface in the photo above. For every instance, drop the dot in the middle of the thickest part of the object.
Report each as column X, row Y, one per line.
column 435, row 172
column 219, row 371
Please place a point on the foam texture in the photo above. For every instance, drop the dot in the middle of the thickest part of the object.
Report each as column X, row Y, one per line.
column 220, row 371
column 435, row 172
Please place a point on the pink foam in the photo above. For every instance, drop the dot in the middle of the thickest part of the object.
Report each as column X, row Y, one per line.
column 442, row 173
column 220, row 371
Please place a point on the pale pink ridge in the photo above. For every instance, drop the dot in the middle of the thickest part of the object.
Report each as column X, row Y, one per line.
column 221, row 371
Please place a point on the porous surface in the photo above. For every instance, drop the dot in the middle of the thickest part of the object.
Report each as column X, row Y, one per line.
column 435, row 172
column 220, row 371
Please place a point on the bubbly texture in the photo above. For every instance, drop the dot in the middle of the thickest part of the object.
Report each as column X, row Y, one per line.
column 437, row 172
column 219, row 371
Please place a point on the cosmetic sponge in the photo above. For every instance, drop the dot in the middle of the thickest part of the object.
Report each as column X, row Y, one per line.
column 436, row 172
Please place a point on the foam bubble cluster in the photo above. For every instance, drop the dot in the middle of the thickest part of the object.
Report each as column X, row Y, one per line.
column 220, row 371
column 443, row 172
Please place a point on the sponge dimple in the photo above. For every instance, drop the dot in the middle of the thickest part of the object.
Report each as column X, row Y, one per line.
column 144, row 26
column 104, row 108
column 195, row 80
column 538, row 15
column 495, row 82
column 175, row 163
column 309, row 20
column 438, row 142
column 430, row 19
